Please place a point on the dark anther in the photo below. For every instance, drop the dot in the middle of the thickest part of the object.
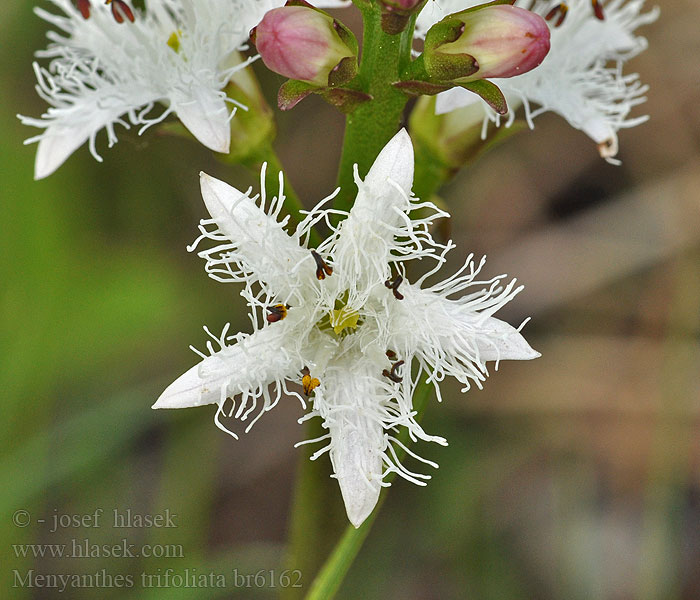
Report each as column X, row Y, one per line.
column 393, row 285
column 277, row 312
column 391, row 355
column 598, row 10
column 120, row 10
column 322, row 269
column 393, row 375
column 561, row 10
column 84, row 8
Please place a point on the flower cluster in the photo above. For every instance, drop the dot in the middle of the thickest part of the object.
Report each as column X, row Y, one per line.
column 349, row 320
column 582, row 76
column 343, row 321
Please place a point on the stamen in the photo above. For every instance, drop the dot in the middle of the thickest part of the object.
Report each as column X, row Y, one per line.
column 322, row 269
column 393, row 285
column 598, row 10
column 308, row 383
column 560, row 9
column 391, row 355
column 277, row 312
column 393, row 375
column 120, row 10
column 84, row 8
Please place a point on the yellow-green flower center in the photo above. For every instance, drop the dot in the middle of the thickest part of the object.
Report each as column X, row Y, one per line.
column 342, row 319
column 174, row 40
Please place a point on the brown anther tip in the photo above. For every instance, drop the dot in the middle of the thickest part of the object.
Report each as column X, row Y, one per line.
column 393, row 285
column 391, row 355
column 393, row 375
column 561, row 10
column 84, row 8
column 322, row 269
column 121, row 10
column 598, row 10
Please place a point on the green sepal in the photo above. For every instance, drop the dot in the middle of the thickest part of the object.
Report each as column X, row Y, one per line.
column 480, row 6
column 445, row 32
column 343, row 72
column 414, row 87
column 446, row 67
column 292, row 92
column 344, row 99
column 489, row 93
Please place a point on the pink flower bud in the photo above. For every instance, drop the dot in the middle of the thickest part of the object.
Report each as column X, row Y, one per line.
column 503, row 40
column 306, row 44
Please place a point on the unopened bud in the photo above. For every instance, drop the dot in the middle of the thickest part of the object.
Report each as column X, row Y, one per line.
column 397, row 13
column 494, row 41
column 306, row 44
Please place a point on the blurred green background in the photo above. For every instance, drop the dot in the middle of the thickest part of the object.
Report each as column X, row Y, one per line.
column 575, row 476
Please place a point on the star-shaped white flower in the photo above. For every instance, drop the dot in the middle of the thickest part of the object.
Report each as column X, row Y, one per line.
column 101, row 72
column 581, row 78
column 343, row 321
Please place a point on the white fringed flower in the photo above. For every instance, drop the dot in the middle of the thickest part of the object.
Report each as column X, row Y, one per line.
column 342, row 321
column 101, row 73
column 581, row 78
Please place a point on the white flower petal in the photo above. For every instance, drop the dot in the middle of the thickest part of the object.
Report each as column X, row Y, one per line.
column 258, row 241
column 498, row 340
column 347, row 403
column 58, row 143
column 207, row 118
column 366, row 237
column 457, row 337
column 245, row 368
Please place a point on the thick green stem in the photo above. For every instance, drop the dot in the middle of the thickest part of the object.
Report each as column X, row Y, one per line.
column 375, row 122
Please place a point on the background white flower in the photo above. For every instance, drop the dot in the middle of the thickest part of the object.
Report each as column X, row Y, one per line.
column 343, row 322
column 180, row 53
column 581, row 78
